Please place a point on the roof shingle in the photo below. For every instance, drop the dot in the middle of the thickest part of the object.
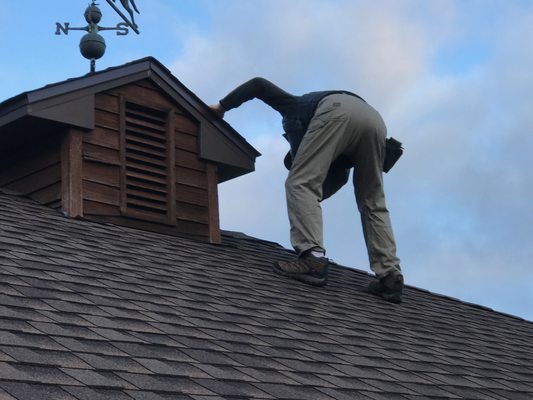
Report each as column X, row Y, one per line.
column 95, row 311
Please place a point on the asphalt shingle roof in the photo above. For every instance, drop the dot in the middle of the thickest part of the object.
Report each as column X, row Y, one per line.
column 95, row 311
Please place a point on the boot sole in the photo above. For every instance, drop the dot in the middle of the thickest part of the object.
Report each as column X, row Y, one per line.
column 390, row 297
column 310, row 280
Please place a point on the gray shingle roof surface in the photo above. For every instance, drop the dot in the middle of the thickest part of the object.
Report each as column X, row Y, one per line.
column 95, row 311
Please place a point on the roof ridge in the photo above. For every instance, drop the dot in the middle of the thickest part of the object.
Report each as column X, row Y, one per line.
column 244, row 236
column 468, row 303
column 74, row 78
column 440, row 295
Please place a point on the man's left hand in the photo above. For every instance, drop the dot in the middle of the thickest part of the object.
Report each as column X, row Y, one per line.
column 218, row 109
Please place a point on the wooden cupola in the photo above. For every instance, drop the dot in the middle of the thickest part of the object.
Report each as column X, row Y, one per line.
column 130, row 145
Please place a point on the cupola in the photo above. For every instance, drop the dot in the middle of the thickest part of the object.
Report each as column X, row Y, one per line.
column 130, row 145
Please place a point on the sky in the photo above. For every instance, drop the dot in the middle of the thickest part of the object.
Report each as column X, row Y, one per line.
column 451, row 78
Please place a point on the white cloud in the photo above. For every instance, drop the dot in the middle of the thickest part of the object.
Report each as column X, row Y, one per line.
column 378, row 48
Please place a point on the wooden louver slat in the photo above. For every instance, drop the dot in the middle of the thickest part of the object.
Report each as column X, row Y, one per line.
column 154, row 136
column 139, row 176
column 145, row 157
column 140, row 158
column 145, row 168
column 145, row 125
column 144, row 148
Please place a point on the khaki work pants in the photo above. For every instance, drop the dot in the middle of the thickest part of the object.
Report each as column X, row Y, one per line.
column 342, row 125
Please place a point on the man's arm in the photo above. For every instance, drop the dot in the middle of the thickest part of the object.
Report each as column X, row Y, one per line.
column 259, row 88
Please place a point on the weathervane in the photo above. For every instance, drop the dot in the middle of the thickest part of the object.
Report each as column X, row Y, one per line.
column 92, row 44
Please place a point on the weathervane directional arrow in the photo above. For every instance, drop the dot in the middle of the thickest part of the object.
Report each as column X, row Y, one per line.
column 129, row 8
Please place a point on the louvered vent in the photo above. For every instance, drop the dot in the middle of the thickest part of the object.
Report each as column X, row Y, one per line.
column 146, row 183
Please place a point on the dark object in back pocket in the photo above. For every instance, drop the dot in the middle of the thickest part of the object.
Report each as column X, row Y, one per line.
column 393, row 151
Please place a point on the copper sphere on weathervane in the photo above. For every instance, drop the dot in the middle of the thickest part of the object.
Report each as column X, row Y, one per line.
column 93, row 15
column 92, row 46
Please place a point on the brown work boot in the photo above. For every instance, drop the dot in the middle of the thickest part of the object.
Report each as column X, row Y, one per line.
column 306, row 268
column 389, row 288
